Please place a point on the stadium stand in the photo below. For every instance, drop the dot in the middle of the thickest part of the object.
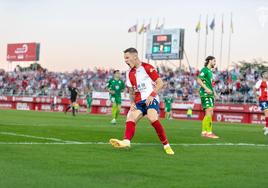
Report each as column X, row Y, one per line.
column 232, row 87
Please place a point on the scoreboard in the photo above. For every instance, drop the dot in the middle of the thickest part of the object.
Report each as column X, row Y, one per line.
column 165, row 44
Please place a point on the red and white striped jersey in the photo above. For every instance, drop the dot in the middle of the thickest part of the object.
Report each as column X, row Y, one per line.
column 262, row 90
column 142, row 80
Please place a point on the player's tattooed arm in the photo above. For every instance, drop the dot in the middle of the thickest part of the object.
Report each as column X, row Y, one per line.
column 131, row 94
column 132, row 98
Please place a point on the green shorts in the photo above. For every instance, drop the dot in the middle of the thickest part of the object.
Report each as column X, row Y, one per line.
column 89, row 102
column 207, row 102
column 116, row 100
column 167, row 109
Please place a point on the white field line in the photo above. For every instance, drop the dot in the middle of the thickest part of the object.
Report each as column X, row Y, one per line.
column 66, row 142
column 142, row 144
column 37, row 137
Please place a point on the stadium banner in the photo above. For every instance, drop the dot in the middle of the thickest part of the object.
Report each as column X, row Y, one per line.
column 107, row 110
column 231, row 117
column 257, row 118
column 238, row 108
column 5, row 98
column 23, row 52
column 6, row 105
column 24, row 106
column 23, row 99
column 106, row 95
column 230, row 107
column 100, row 95
column 184, row 105
column 253, row 108
column 181, row 114
column 49, row 107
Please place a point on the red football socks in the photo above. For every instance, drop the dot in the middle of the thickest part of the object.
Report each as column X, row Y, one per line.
column 160, row 132
column 266, row 119
column 130, row 130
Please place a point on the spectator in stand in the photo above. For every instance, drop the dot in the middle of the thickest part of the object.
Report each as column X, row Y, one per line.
column 234, row 86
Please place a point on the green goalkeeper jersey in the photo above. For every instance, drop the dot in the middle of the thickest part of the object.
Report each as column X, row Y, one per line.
column 206, row 76
column 117, row 86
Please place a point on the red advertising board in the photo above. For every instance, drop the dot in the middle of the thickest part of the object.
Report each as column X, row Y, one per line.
column 6, row 105
column 181, row 114
column 257, row 118
column 23, row 52
column 243, row 113
column 231, row 117
column 230, row 107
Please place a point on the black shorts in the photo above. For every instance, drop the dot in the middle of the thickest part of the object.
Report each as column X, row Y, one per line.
column 73, row 100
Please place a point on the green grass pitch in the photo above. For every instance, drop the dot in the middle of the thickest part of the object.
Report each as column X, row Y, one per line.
column 42, row 149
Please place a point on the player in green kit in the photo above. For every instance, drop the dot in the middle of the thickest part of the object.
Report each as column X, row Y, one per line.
column 207, row 94
column 168, row 105
column 115, row 86
column 89, row 99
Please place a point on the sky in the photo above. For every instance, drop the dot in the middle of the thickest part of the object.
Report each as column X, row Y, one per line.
column 83, row 34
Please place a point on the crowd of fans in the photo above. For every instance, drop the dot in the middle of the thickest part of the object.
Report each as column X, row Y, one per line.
column 232, row 86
